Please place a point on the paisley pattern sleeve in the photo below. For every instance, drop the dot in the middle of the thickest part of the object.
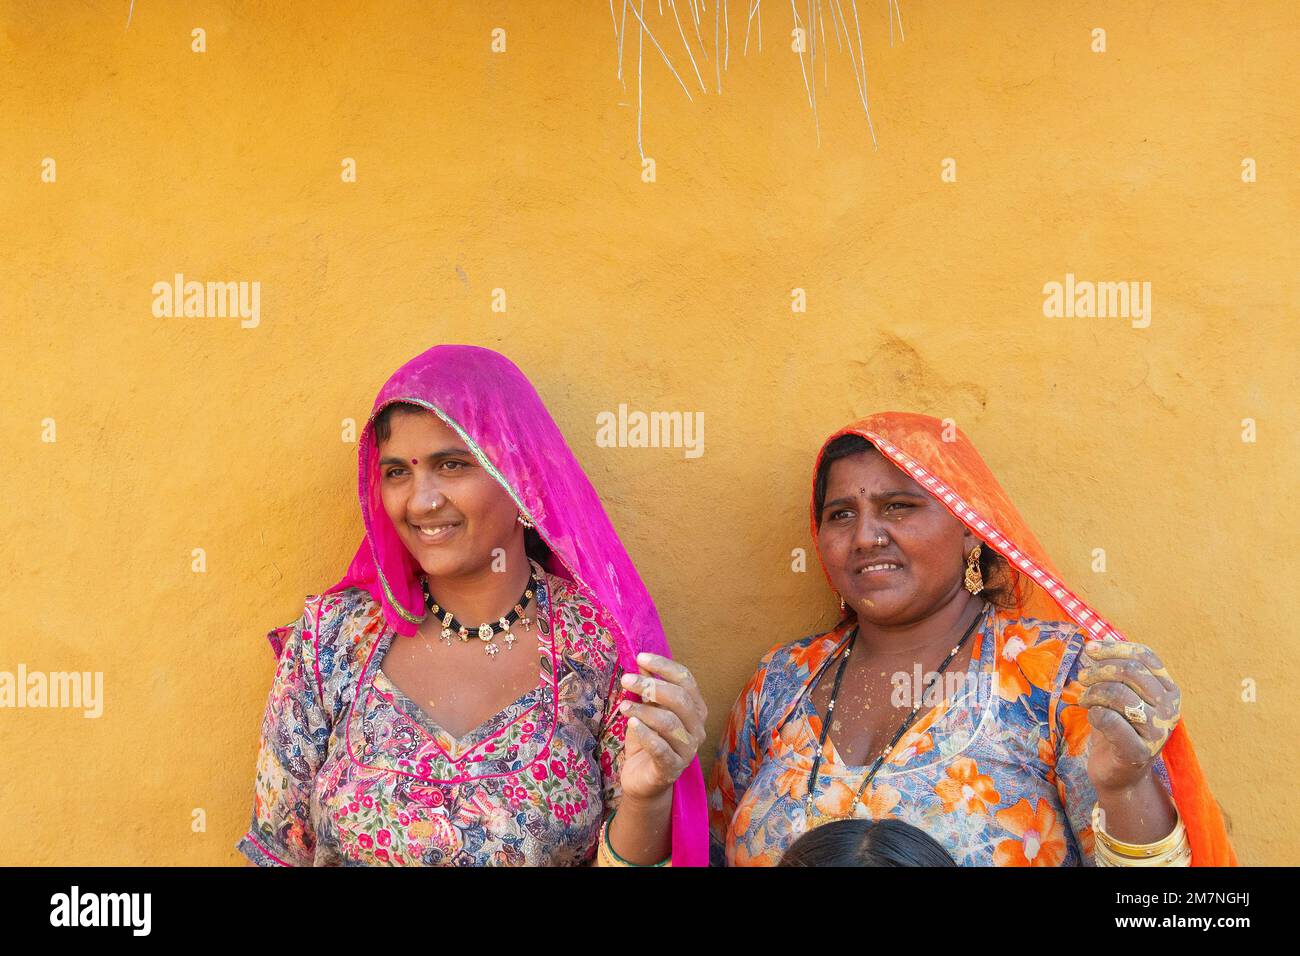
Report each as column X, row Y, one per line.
column 294, row 742
column 592, row 682
column 609, row 742
column 739, row 756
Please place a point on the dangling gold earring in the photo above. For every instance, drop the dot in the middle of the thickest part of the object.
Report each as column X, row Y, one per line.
column 524, row 520
column 974, row 577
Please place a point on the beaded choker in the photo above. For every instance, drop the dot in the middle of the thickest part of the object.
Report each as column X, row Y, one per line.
column 486, row 631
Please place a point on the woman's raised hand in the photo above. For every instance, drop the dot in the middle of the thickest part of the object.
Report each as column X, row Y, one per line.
column 665, row 730
column 1133, row 706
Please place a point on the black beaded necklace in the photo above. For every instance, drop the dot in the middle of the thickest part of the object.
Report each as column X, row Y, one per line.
column 486, row 631
column 898, row 735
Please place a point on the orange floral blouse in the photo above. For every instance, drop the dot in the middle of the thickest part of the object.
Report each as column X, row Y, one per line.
column 996, row 772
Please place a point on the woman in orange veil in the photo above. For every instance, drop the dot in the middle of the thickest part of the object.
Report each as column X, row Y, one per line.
column 967, row 690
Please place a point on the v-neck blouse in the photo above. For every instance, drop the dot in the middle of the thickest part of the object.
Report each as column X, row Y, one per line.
column 351, row 771
column 460, row 750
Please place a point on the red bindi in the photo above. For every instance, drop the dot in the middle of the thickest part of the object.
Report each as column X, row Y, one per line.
column 415, row 461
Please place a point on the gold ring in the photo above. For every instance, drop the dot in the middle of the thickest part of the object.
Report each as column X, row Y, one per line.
column 1136, row 714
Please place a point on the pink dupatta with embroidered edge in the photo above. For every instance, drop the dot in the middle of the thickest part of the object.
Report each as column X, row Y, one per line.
column 491, row 405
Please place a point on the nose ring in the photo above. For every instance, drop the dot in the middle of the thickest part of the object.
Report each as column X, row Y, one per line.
column 881, row 540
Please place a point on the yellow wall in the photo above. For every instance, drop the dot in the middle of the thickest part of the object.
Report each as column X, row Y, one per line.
column 520, row 171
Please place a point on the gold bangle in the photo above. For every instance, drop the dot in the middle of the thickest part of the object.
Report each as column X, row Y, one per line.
column 1142, row 851
column 1171, row 850
column 1179, row 856
column 1138, row 850
column 606, row 856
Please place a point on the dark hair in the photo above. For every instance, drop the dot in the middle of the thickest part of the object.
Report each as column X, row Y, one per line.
column 866, row 843
column 1001, row 581
column 384, row 420
column 843, row 447
column 534, row 546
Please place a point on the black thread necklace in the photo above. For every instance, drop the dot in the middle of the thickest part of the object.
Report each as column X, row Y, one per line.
column 486, row 631
column 907, row 722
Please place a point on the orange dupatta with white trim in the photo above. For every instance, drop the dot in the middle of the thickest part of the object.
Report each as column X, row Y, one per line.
column 955, row 474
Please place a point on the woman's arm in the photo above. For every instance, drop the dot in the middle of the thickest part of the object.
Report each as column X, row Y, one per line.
column 664, row 733
column 1141, row 813
column 1135, row 803
column 295, row 728
column 1133, row 707
column 641, row 830
column 738, row 759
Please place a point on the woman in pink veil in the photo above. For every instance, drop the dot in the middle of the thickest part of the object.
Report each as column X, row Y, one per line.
column 485, row 544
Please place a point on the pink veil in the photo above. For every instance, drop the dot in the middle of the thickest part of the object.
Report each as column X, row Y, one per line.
column 487, row 401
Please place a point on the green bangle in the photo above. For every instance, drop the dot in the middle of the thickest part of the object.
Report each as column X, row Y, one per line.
column 609, row 848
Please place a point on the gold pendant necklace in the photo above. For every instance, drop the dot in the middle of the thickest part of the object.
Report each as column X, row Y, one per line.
column 486, row 631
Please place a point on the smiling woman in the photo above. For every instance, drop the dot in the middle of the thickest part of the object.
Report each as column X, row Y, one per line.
column 489, row 684
column 936, row 571
column 446, row 508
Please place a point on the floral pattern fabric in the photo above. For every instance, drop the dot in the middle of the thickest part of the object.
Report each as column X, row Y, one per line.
column 350, row 771
column 996, row 772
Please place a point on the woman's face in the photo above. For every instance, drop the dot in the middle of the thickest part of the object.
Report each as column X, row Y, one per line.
column 917, row 570
column 424, row 464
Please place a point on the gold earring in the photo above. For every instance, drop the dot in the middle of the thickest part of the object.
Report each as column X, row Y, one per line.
column 974, row 577
column 842, row 607
column 524, row 520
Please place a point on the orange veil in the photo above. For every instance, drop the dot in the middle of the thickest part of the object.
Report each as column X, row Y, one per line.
column 942, row 460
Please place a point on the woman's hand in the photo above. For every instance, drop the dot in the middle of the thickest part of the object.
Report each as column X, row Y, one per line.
column 665, row 730
column 1133, row 706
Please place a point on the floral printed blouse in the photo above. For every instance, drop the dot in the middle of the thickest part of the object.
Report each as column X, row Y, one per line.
column 351, row 772
column 996, row 772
